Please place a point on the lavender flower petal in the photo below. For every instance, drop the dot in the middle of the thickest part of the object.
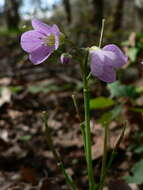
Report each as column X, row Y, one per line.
column 108, row 75
column 40, row 54
column 31, row 40
column 121, row 59
column 41, row 27
column 97, row 62
column 55, row 29
column 56, row 32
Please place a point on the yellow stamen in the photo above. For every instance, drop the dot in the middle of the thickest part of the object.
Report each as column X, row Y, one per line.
column 49, row 40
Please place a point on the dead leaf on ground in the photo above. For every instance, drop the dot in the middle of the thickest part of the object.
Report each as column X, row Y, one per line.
column 119, row 185
column 5, row 96
column 49, row 184
column 134, row 186
column 4, row 145
column 29, row 175
column 132, row 39
column 5, row 81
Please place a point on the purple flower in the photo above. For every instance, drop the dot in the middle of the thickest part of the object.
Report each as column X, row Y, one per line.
column 41, row 41
column 65, row 58
column 105, row 62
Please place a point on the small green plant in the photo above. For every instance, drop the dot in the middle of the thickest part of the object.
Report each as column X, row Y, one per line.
column 102, row 63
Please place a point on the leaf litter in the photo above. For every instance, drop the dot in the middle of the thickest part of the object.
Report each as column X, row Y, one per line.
column 26, row 163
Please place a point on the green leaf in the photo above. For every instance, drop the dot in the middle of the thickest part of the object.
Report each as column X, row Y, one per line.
column 16, row 89
column 139, row 150
column 139, row 89
column 109, row 116
column 132, row 54
column 125, row 43
column 119, row 90
column 1, row 90
column 105, row 118
column 116, row 111
column 34, row 89
column 26, row 138
column 101, row 102
column 137, row 176
column 136, row 109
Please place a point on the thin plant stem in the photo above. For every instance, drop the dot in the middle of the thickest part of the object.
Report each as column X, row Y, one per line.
column 102, row 31
column 101, row 184
column 89, row 75
column 104, row 158
column 87, row 125
column 60, row 164
column 76, row 107
column 113, row 155
column 82, row 125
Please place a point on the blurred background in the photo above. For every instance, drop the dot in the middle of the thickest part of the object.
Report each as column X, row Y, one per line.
column 26, row 163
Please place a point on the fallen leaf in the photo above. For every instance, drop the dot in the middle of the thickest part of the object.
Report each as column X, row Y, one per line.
column 48, row 184
column 29, row 175
column 119, row 185
column 134, row 186
column 5, row 96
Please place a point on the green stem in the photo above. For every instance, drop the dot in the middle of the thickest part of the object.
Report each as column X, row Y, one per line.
column 89, row 75
column 104, row 159
column 60, row 164
column 82, row 127
column 76, row 108
column 68, row 177
column 87, row 126
column 113, row 155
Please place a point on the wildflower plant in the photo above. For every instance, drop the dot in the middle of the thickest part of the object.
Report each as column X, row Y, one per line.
column 40, row 43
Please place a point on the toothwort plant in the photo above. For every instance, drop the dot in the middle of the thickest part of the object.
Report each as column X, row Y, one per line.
column 40, row 43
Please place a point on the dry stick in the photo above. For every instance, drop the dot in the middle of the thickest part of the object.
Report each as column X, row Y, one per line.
column 56, row 155
column 101, row 34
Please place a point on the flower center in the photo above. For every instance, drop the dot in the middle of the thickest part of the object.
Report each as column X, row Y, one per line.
column 49, row 40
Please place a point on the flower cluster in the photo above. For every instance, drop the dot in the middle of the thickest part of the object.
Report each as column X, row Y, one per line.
column 43, row 40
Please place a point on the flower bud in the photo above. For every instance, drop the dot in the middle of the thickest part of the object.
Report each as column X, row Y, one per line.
column 94, row 48
column 65, row 58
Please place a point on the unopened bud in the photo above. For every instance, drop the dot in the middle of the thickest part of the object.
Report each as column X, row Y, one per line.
column 94, row 48
column 65, row 58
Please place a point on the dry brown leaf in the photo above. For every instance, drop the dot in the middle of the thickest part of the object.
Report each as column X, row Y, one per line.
column 132, row 39
column 4, row 145
column 97, row 148
column 5, row 81
column 134, row 186
column 48, row 184
column 119, row 185
column 29, row 175
column 5, row 96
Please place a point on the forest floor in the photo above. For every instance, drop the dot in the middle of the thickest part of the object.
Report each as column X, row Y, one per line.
column 26, row 163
